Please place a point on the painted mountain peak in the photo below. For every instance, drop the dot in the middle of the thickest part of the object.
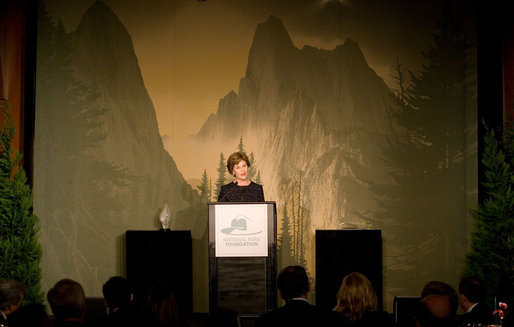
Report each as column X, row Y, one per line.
column 101, row 162
column 346, row 91
column 107, row 63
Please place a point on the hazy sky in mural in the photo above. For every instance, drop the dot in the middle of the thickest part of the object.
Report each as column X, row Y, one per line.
column 190, row 62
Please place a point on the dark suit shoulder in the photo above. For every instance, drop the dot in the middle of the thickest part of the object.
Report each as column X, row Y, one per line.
column 480, row 313
column 297, row 313
column 375, row 318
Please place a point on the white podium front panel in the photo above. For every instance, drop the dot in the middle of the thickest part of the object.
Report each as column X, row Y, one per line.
column 241, row 231
column 243, row 257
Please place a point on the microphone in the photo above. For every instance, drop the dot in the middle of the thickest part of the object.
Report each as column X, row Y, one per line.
column 231, row 190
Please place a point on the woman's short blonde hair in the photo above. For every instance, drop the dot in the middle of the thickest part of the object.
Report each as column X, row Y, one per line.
column 356, row 296
column 234, row 159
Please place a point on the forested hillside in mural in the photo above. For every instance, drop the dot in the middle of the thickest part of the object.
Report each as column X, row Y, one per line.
column 335, row 142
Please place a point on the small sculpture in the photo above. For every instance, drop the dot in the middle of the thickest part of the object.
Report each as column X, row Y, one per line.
column 164, row 217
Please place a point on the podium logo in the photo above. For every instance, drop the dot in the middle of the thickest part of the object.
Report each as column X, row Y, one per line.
column 241, row 225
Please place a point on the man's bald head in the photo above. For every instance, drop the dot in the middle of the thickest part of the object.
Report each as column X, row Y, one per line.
column 438, row 306
column 434, row 310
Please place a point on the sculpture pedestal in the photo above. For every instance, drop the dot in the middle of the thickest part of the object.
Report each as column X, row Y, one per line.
column 164, row 256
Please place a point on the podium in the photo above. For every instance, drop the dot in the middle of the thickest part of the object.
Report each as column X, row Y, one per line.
column 242, row 257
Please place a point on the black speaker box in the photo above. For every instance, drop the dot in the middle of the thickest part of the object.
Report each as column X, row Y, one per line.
column 340, row 252
column 161, row 256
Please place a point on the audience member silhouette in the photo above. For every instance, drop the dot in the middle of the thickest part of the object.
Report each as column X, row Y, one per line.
column 31, row 315
column 471, row 300
column 442, row 288
column 12, row 293
column 160, row 307
column 357, row 303
column 294, row 286
column 68, row 303
column 435, row 311
column 118, row 301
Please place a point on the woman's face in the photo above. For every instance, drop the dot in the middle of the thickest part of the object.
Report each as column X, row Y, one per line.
column 241, row 171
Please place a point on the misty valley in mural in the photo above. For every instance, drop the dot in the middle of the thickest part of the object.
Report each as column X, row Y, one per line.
column 333, row 145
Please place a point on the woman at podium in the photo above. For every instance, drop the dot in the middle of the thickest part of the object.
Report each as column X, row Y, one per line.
column 242, row 189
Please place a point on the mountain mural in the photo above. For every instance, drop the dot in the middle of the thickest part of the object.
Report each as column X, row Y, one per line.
column 321, row 124
column 334, row 147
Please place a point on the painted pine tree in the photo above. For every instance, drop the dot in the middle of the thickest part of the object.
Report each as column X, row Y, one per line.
column 20, row 251
column 221, row 179
column 301, row 224
column 253, row 168
column 204, row 188
column 240, row 146
column 294, row 223
column 284, row 241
